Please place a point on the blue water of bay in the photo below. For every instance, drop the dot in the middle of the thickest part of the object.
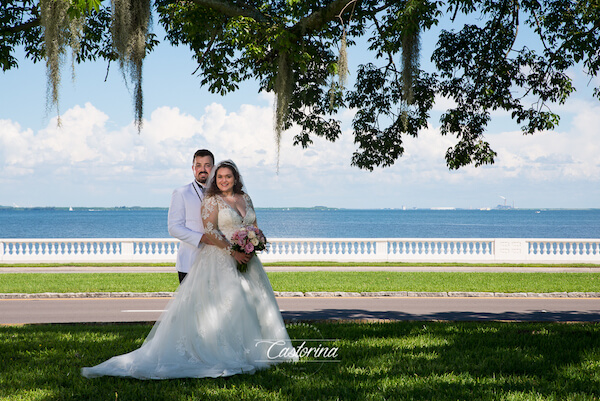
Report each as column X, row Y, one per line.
column 312, row 223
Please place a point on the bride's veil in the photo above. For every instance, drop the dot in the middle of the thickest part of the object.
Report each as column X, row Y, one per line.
column 227, row 163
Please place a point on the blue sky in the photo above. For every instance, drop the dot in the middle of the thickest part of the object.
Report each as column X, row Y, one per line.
column 97, row 158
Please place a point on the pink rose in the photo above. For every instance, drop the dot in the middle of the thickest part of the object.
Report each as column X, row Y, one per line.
column 249, row 248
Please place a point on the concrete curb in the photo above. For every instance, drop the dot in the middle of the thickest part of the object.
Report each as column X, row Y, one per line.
column 337, row 294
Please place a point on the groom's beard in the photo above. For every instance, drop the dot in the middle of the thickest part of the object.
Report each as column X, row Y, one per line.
column 202, row 178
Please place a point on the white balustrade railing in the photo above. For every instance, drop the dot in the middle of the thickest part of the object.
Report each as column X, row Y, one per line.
column 467, row 250
column 88, row 250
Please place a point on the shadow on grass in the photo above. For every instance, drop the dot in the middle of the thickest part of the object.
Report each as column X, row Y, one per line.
column 397, row 360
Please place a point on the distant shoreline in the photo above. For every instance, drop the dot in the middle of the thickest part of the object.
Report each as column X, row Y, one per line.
column 130, row 208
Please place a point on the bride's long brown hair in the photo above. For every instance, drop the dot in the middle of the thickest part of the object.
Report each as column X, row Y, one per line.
column 213, row 189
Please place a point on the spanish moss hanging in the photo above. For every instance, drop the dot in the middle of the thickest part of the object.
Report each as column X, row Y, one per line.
column 411, row 47
column 130, row 24
column 284, row 85
column 60, row 31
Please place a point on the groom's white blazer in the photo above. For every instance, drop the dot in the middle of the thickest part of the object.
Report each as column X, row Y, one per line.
column 185, row 224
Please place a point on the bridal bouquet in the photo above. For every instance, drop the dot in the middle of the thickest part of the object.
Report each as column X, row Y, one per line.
column 248, row 240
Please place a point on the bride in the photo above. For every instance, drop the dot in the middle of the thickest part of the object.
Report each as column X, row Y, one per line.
column 220, row 322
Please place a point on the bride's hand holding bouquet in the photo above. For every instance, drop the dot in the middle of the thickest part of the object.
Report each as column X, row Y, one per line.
column 248, row 240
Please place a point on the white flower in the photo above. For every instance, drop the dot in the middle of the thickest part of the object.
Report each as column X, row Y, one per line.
column 251, row 235
column 254, row 241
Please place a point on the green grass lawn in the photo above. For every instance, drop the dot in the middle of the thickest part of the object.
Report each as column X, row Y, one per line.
column 312, row 281
column 377, row 361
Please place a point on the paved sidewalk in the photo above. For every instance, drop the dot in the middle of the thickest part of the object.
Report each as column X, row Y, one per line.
column 171, row 269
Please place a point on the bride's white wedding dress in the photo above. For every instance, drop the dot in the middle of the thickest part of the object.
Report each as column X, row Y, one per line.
column 220, row 322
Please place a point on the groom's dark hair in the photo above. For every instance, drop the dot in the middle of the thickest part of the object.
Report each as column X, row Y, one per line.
column 203, row 153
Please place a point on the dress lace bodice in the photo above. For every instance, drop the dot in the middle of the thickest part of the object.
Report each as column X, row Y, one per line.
column 221, row 220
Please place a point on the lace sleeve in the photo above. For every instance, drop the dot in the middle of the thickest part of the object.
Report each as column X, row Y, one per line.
column 210, row 215
column 250, row 207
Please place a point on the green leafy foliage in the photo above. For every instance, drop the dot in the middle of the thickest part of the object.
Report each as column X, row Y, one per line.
column 293, row 48
column 19, row 26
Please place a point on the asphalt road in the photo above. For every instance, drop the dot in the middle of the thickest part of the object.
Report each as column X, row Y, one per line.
column 79, row 310
column 144, row 309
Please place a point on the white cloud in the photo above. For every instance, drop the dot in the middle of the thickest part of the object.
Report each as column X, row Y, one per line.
column 14, row 159
column 119, row 166
column 550, row 156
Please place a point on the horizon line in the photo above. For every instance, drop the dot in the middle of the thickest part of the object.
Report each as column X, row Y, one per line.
column 401, row 208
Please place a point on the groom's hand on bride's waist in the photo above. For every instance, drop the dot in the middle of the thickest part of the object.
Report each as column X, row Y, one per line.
column 206, row 240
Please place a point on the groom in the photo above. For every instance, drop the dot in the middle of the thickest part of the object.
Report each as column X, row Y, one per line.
column 185, row 222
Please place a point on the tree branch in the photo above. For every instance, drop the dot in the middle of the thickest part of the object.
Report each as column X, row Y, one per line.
column 19, row 28
column 516, row 24
column 319, row 18
column 233, row 10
